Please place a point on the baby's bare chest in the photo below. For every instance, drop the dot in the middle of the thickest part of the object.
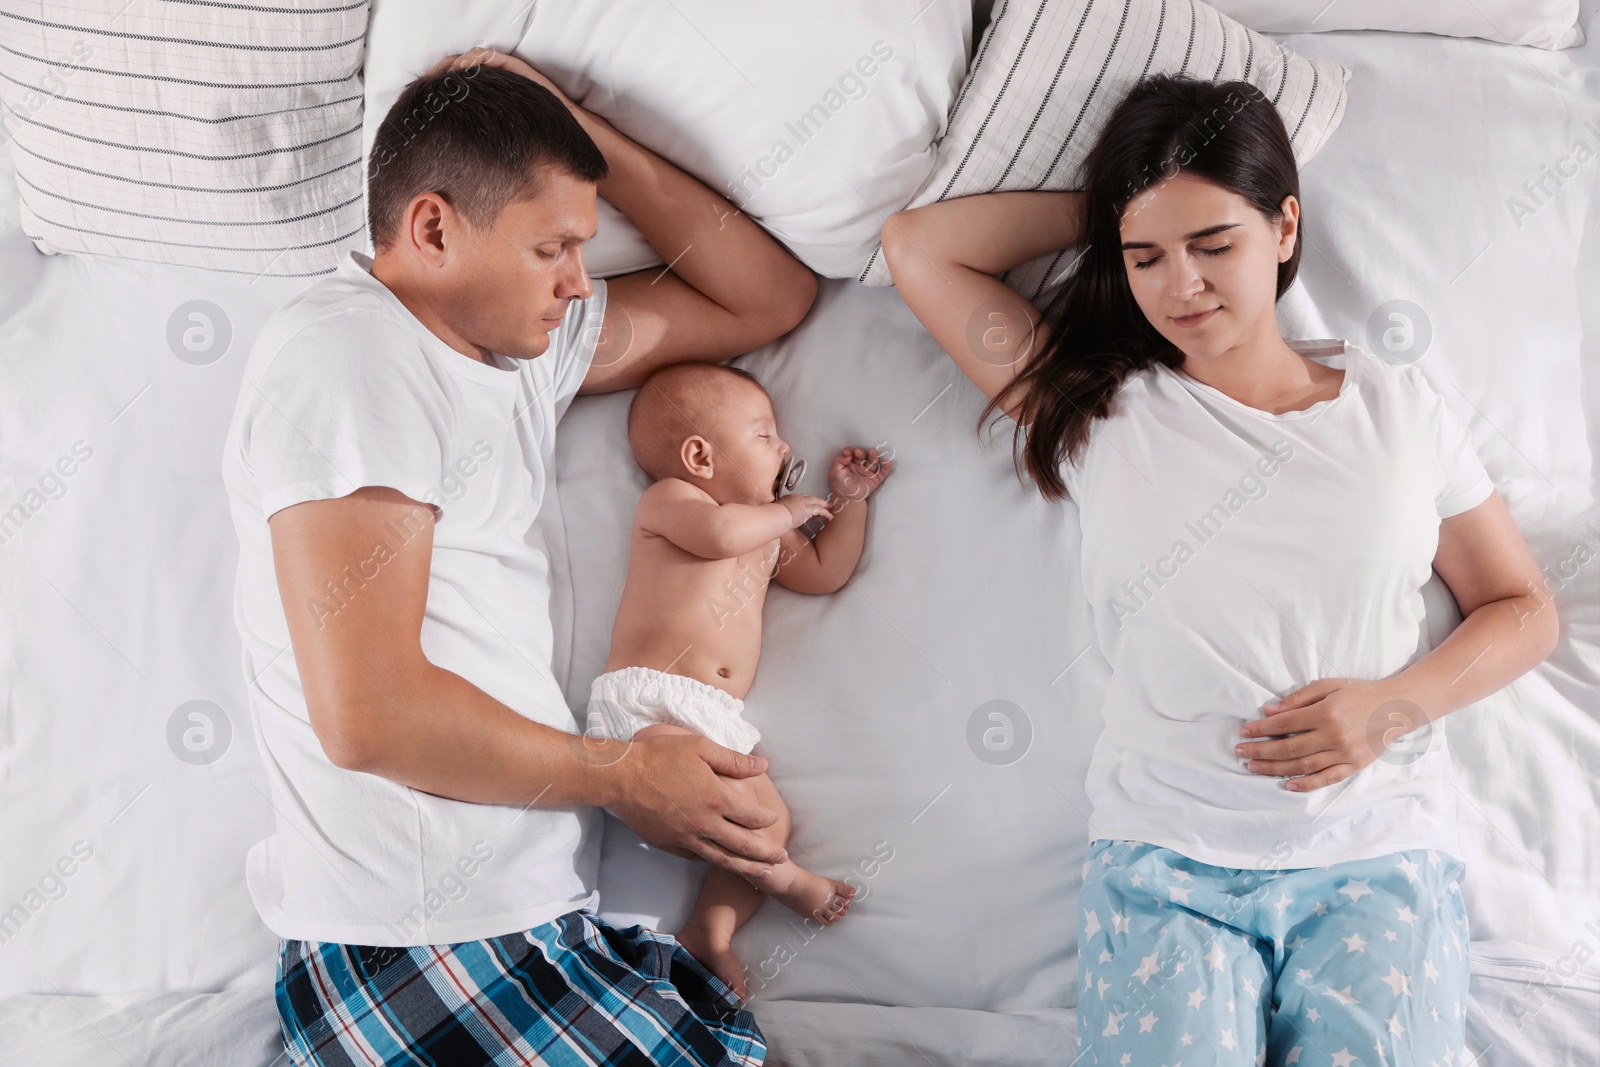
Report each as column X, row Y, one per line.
column 724, row 598
column 746, row 576
column 658, row 565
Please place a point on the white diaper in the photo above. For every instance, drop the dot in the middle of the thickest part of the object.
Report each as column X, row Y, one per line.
column 625, row 701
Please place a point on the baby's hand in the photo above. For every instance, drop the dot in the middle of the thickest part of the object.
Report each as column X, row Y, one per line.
column 803, row 508
column 857, row 472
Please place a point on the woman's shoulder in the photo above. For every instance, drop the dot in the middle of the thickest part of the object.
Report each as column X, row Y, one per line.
column 1137, row 382
column 1390, row 379
column 1129, row 404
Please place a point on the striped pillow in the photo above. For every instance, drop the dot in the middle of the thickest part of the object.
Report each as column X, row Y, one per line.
column 1048, row 74
column 199, row 133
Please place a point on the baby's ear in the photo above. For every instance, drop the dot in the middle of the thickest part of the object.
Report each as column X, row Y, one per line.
column 696, row 453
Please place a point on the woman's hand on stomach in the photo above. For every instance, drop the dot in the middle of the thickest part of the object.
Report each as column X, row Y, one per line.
column 1325, row 732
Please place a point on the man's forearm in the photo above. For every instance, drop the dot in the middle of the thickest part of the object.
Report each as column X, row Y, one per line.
column 443, row 735
column 704, row 238
column 447, row 737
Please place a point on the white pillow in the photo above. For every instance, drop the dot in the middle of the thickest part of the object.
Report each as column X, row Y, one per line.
column 224, row 136
column 814, row 118
column 1539, row 23
column 1048, row 75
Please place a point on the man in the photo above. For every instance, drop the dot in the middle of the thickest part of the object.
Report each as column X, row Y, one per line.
column 432, row 875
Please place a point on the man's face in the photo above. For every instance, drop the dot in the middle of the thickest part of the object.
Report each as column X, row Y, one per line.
column 505, row 286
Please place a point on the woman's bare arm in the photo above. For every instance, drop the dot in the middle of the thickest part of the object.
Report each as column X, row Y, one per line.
column 944, row 257
column 1326, row 731
column 1509, row 618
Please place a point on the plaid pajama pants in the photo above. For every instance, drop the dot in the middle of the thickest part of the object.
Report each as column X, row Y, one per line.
column 575, row 992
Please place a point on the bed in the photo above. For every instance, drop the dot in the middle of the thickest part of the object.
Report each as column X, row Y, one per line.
column 116, row 624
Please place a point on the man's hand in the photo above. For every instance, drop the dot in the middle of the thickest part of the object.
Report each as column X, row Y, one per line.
column 856, row 473
column 1327, row 731
column 682, row 793
column 488, row 57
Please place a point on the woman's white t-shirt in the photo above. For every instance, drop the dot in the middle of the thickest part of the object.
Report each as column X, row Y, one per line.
column 346, row 388
column 1232, row 556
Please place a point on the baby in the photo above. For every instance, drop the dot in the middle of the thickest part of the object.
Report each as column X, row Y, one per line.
column 707, row 538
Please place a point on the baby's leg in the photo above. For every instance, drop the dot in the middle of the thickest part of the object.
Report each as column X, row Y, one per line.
column 727, row 900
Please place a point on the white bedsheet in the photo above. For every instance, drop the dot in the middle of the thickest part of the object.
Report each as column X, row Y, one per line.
column 115, row 610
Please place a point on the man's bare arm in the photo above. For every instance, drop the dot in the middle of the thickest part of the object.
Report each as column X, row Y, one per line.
column 379, row 706
column 729, row 287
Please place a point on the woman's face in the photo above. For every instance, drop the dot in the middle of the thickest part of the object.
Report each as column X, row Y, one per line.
column 1202, row 262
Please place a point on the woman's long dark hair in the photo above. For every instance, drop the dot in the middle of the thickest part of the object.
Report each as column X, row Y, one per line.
column 1225, row 132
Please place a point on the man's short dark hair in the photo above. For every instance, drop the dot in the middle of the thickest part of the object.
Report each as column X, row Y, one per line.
column 477, row 136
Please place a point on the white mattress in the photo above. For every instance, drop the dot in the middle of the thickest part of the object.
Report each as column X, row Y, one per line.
column 116, row 609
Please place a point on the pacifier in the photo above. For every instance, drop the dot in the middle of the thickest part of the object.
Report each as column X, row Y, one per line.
column 790, row 471
column 789, row 474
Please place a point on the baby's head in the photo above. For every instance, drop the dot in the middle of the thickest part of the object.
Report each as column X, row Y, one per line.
column 711, row 425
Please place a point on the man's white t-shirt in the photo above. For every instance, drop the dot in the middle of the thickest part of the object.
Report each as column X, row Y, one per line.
column 346, row 388
column 1232, row 556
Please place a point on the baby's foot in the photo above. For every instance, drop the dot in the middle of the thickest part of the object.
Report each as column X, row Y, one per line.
column 813, row 896
column 716, row 955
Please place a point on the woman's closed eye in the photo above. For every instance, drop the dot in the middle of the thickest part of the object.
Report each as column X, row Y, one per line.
column 1143, row 263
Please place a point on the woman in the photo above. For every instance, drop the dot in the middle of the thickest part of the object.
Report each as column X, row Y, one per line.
column 1256, row 526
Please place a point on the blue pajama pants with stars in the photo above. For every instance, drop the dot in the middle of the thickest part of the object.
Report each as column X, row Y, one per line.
column 1359, row 964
